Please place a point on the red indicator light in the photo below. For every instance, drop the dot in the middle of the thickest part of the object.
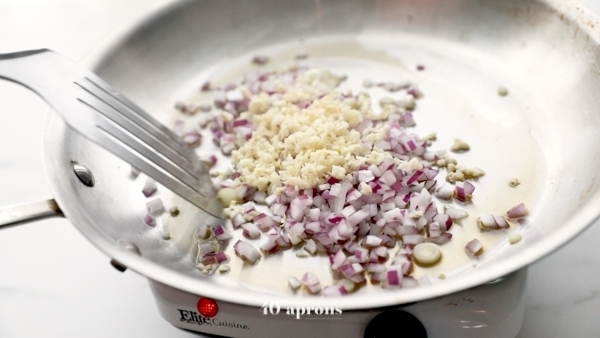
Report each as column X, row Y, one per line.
column 207, row 307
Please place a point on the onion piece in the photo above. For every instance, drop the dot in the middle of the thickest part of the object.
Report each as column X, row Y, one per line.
column 246, row 251
column 205, row 248
column 518, row 211
column 202, row 232
column 409, row 282
column 155, row 206
column 264, row 222
column 238, row 220
column 149, row 219
column 412, row 239
column 357, row 217
column 268, row 243
column 455, row 213
column 491, row 222
column 294, row 283
column 192, row 138
column 311, row 281
column 393, row 278
column 337, row 259
column 269, row 200
column 149, row 187
column 260, row 197
column 335, row 290
column 208, row 160
column 310, row 247
column 372, row 241
column 464, row 190
column 474, row 247
column 220, row 232
column 221, row 257
column 445, row 192
column 365, row 176
column 250, row 230
column 441, row 239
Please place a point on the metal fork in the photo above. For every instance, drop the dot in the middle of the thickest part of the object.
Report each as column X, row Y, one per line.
column 101, row 114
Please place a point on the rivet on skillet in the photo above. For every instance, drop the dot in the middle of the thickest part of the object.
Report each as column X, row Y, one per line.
column 129, row 246
column 84, row 175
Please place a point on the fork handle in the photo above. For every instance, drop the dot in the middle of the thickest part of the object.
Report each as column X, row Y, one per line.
column 18, row 67
column 24, row 53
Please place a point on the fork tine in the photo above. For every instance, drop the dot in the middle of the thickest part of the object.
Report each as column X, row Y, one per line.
column 194, row 196
column 140, row 118
column 152, row 156
column 107, row 88
column 189, row 163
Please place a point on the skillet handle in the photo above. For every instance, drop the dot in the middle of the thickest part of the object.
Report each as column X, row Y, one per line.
column 28, row 212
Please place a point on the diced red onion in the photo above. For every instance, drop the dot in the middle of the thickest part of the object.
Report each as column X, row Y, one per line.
column 271, row 199
column 473, row 247
column 260, row 197
column 206, row 248
column 192, row 138
column 268, row 243
column 246, row 251
column 394, row 278
column 250, row 230
column 221, row 257
column 310, row 247
column 372, row 241
column 409, row 282
column 445, row 192
column 337, row 259
column 444, row 220
column 464, row 190
column 333, row 290
column 149, row 187
column 234, row 95
column 311, row 281
column 264, row 222
column 208, row 159
column 238, row 220
column 220, row 232
column 149, row 219
column 455, row 213
column 491, row 222
column 294, row 283
column 517, row 211
column 441, row 239
column 357, row 217
column 412, row 239
column 248, row 207
column 365, row 176
column 155, row 206
column 202, row 232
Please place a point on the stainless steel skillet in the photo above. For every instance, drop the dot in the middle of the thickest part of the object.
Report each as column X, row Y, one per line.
column 549, row 47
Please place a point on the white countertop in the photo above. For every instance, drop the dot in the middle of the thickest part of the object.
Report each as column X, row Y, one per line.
column 54, row 283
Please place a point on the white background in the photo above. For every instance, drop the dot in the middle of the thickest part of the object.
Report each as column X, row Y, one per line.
column 54, row 283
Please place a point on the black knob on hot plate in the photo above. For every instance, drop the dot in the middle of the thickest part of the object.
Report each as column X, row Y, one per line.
column 396, row 324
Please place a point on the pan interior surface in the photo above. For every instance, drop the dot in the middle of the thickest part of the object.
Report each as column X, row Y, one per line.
column 543, row 52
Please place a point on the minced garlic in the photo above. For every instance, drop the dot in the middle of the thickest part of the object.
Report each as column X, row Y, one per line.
column 515, row 238
column 303, row 147
column 459, row 146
